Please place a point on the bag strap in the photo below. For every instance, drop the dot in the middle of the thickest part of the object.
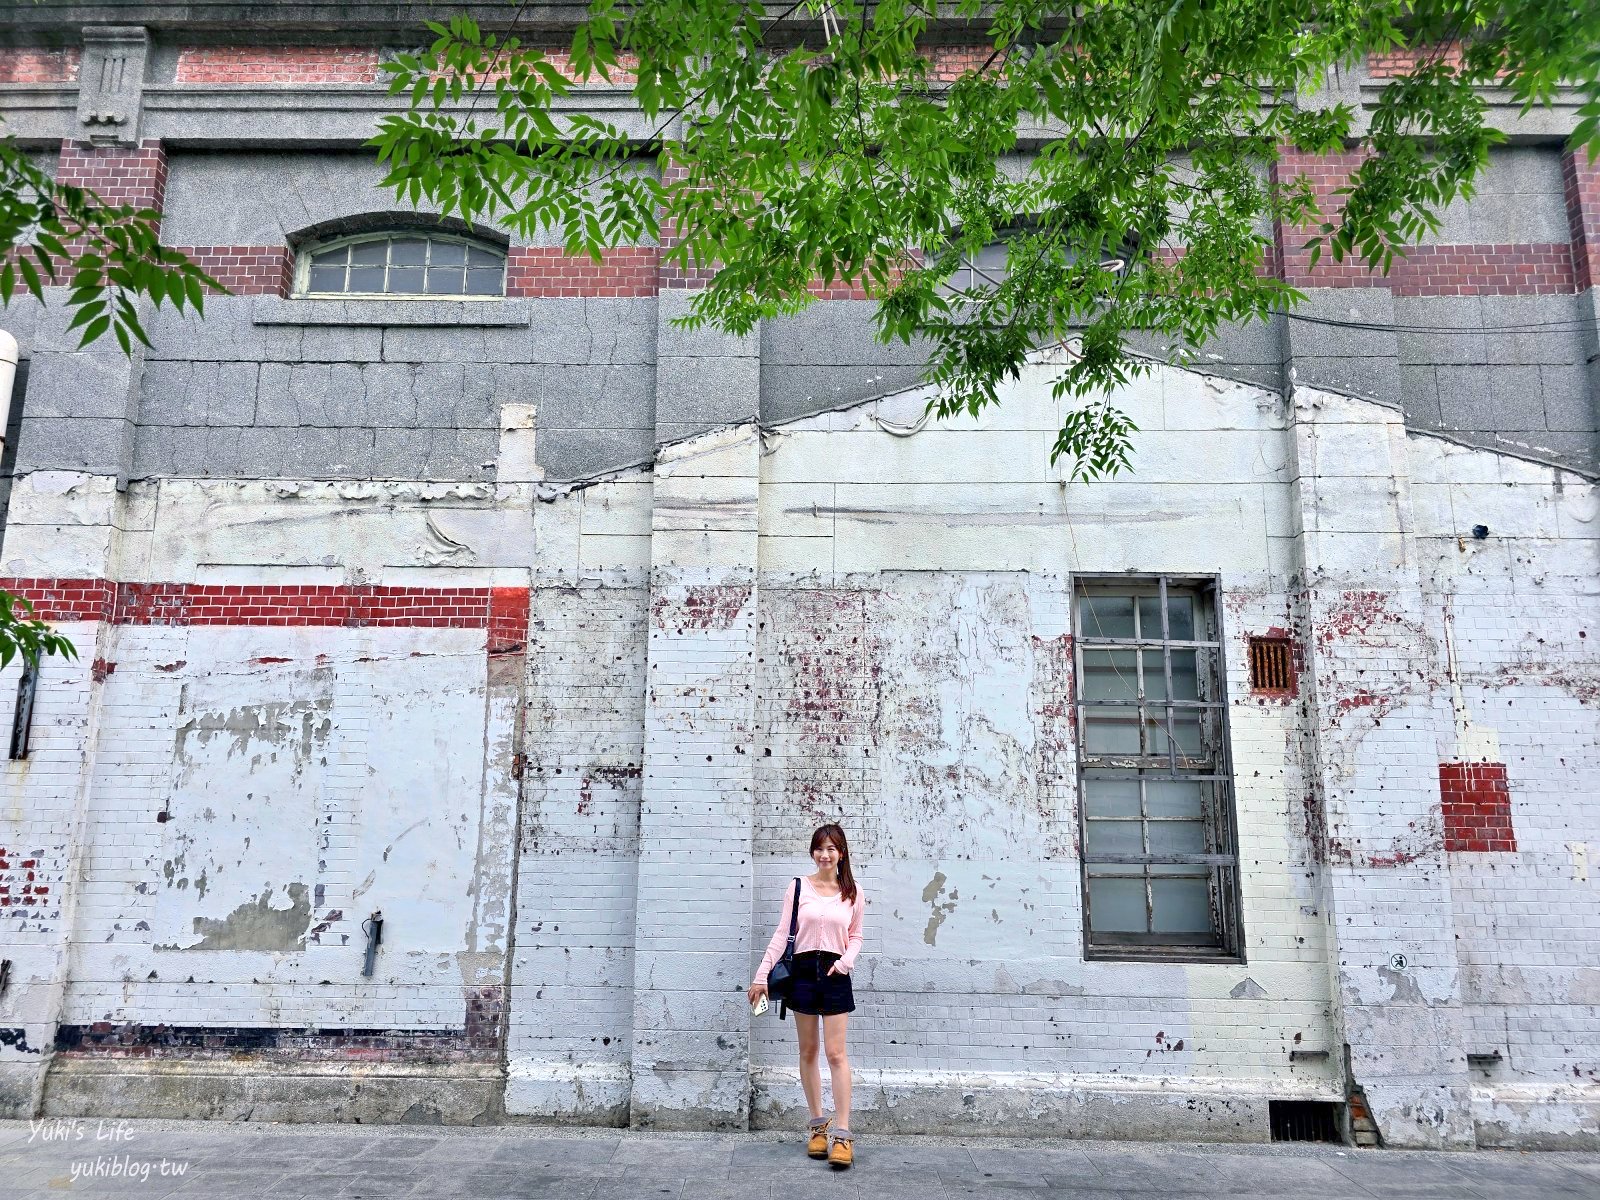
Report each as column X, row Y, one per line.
column 794, row 920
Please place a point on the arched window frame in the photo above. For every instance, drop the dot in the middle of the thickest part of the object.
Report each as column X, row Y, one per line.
column 991, row 265
column 306, row 252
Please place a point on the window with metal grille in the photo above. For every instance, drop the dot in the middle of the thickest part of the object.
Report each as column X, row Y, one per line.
column 1160, row 861
column 1304, row 1121
column 1272, row 665
column 402, row 264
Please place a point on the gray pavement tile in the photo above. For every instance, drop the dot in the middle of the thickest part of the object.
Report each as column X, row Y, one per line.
column 1398, row 1174
column 734, row 1189
column 699, row 1156
column 332, row 1188
column 566, row 1153
column 641, row 1185
column 362, row 1189
column 1497, row 1173
column 1033, row 1162
column 911, row 1155
column 492, row 1183
column 1017, row 1186
column 384, row 1148
column 1141, row 1170
column 770, row 1149
column 471, row 1149
column 62, row 1182
column 198, row 1181
column 1242, row 1175
column 496, row 1185
column 847, row 1185
column 768, row 1160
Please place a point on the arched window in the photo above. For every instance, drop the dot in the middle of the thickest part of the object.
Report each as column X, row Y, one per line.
column 989, row 267
column 408, row 263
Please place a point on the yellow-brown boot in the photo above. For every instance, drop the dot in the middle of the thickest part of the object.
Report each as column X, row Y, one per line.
column 817, row 1145
column 842, row 1156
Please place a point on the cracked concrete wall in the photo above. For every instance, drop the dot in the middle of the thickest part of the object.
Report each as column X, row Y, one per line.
column 909, row 599
column 1373, row 777
column 571, row 1003
column 254, row 795
column 1517, row 662
column 915, row 658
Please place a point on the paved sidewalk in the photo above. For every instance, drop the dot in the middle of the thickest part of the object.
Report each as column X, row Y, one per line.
column 243, row 1161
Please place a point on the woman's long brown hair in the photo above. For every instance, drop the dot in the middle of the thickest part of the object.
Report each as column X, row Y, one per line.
column 847, row 880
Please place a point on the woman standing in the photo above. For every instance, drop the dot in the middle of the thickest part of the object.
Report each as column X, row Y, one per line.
column 831, row 908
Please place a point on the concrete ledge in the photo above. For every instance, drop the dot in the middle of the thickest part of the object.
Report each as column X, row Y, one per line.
column 275, row 310
column 569, row 1093
column 367, row 1093
column 16, row 1088
column 1012, row 1104
column 1536, row 1118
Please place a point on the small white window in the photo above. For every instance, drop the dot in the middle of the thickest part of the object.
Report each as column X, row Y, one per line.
column 402, row 264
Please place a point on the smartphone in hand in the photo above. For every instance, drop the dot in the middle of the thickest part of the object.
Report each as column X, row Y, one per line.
column 759, row 1007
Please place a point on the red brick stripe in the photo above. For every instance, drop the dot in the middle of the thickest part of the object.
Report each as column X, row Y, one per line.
column 1582, row 179
column 277, row 64
column 1398, row 63
column 39, row 66
column 1513, row 269
column 549, row 271
column 246, row 270
column 118, row 175
column 66, row 599
column 1476, row 801
column 502, row 611
column 1522, row 269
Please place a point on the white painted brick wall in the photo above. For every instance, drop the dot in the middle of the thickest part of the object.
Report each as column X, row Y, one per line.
column 899, row 653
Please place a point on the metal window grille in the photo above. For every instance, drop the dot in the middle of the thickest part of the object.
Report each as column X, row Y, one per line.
column 1304, row 1121
column 1160, row 861
column 1271, row 665
column 403, row 265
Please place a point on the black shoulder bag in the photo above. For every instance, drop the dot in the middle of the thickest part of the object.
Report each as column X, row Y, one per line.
column 780, row 979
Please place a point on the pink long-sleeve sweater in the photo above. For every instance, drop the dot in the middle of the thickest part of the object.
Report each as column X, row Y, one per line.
column 826, row 923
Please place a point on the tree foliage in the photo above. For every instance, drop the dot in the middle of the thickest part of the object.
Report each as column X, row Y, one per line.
column 109, row 257
column 1127, row 150
column 25, row 636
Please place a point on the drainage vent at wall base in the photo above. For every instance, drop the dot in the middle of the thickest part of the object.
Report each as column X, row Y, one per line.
column 1304, row 1120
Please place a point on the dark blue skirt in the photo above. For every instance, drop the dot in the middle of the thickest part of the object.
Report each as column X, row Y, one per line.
column 815, row 992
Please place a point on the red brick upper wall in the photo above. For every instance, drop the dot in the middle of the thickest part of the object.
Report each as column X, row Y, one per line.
column 135, row 175
column 277, row 64
column 27, row 65
column 247, row 65
column 1582, row 178
column 1397, row 63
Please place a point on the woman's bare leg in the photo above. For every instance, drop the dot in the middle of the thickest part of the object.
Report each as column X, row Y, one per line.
column 834, row 1030
column 810, row 1067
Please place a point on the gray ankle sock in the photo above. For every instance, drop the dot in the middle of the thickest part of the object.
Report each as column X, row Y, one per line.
column 841, row 1132
column 818, row 1122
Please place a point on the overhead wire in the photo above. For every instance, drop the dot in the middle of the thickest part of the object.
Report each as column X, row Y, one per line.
column 1569, row 325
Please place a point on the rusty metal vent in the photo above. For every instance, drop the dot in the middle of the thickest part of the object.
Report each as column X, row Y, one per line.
column 1271, row 665
column 1304, row 1121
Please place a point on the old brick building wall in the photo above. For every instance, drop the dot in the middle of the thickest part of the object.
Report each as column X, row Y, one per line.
column 549, row 630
